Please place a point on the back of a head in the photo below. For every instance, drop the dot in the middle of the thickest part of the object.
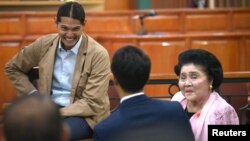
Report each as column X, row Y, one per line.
column 72, row 10
column 32, row 118
column 131, row 68
column 209, row 62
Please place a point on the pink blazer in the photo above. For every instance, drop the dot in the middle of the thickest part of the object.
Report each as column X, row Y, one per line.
column 215, row 111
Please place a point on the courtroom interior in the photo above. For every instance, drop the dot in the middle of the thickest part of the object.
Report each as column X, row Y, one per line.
column 162, row 28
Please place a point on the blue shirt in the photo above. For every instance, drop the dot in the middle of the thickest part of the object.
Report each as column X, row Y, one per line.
column 63, row 73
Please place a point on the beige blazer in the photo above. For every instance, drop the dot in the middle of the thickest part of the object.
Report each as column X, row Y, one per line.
column 89, row 97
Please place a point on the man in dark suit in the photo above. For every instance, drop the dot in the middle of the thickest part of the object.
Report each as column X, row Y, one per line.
column 138, row 117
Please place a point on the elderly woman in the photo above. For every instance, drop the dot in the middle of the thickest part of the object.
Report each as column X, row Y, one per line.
column 200, row 73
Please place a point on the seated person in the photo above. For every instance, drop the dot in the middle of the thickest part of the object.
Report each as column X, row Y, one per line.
column 74, row 70
column 138, row 117
column 34, row 118
column 200, row 74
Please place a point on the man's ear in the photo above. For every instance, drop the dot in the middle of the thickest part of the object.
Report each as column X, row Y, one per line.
column 115, row 81
column 84, row 22
column 65, row 133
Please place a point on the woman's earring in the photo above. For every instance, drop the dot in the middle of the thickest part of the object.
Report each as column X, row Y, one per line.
column 211, row 87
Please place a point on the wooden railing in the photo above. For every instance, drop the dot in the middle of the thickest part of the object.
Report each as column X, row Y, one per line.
column 22, row 27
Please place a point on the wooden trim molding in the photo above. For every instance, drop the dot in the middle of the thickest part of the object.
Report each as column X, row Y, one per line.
column 46, row 3
column 94, row 5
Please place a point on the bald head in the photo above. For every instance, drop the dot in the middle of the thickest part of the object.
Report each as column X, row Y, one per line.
column 33, row 117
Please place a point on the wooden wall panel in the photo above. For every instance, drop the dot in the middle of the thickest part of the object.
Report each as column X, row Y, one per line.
column 1, row 133
column 163, row 54
column 157, row 4
column 11, row 26
column 247, row 54
column 108, row 25
column 231, row 49
column 168, row 23
column 244, row 43
column 206, row 22
column 120, row 5
column 170, row 32
column 113, row 43
column 226, row 50
column 7, row 92
column 159, row 90
column 38, row 25
column 116, row 45
column 241, row 21
column 124, row 22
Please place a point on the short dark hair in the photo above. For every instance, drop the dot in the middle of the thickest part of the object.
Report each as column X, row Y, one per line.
column 71, row 9
column 209, row 62
column 32, row 118
column 131, row 68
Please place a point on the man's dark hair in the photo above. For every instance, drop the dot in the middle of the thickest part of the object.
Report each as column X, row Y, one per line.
column 71, row 9
column 32, row 118
column 131, row 68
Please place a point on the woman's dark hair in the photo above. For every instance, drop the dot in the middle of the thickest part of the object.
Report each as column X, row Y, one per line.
column 210, row 64
column 71, row 9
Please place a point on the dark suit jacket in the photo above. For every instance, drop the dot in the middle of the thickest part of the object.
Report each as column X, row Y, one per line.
column 143, row 119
